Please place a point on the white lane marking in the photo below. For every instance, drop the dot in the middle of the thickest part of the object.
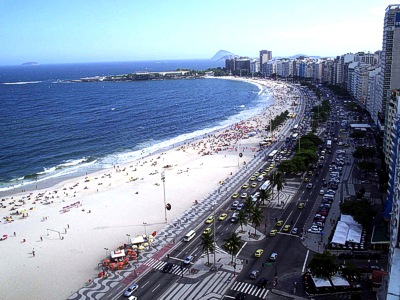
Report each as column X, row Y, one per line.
column 241, row 249
column 305, row 261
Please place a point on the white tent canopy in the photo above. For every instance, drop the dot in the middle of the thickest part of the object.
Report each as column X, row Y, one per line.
column 347, row 230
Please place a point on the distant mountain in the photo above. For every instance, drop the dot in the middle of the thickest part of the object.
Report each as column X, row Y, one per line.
column 223, row 54
column 30, row 63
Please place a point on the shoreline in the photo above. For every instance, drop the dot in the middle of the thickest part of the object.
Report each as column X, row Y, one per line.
column 56, row 179
column 99, row 210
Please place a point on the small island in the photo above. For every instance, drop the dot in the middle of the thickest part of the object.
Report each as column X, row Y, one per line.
column 30, row 63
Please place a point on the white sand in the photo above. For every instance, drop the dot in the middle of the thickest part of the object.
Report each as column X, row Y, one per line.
column 61, row 267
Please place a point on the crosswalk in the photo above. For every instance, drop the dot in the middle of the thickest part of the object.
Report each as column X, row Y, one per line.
column 159, row 265
column 250, row 289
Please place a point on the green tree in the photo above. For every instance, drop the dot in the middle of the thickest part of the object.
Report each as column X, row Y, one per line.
column 207, row 243
column 256, row 217
column 360, row 210
column 264, row 195
column 323, row 265
column 249, row 203
column 233, row 244
column 242, row 219
column 279, row 182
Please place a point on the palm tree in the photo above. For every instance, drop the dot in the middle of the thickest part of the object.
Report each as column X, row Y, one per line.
column 256, row 217
column 273, row 183
column 279, row 182
column 233, row 244
column 207, row 243
column 242, row 218
column 264, row 195
column 249, row 203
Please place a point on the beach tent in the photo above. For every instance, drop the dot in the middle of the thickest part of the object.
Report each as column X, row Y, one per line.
column 137, row 240
column 117, row 254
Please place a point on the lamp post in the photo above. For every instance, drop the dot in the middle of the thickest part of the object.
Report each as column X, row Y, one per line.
column 165, row 201
column 215, row 252
column 106, row 251
column 128, row 235
column 144, row 224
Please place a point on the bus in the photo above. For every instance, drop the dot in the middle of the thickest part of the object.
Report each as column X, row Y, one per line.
column 272, row 155
column 266, row 185
column 190, row 235
column 295, row 136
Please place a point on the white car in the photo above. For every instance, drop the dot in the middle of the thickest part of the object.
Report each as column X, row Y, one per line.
column 315, row 229
column 273, row 256
column 310, row 186
column 188, row 260
column 321, row 192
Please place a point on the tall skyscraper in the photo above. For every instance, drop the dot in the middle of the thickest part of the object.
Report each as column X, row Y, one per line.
column 265, row 56
column 390, row 64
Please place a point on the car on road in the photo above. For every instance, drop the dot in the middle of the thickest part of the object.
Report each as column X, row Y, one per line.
column 168, row 267
column 243, row 195
column 273, row 232
column 273, row 256
column 241, row 206
column 234, row 218
column 210, row 219
column 279, row 223
column 301, row 205
column 235, row 195
column 235, row 204
column 222, row 217
column 322, row 192
column 132, row 298
column 310, row 186
column 258, row 253
column 254, row 184
column 310, row 172
column 188, row 260
column 207, row 230
column 131, row 289
column 254, row 274
column 245, row 186
column 306, row 179
column 252, row 178
column 295, row 230
column 286, row 228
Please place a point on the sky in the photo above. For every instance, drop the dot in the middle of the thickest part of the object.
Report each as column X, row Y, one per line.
column 57, row 31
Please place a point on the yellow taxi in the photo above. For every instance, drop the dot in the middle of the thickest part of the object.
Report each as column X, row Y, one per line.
column 258, row 253
column 222, row 217
column 286, row 228
column 254, row 184
column 245, row 186
column 207, row 230
column 273, row 232
column 235, row 195
column 279, row 223
column 210, row 220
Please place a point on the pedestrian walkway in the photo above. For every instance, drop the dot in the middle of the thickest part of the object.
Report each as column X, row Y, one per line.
column 159, row 265
column 251, row 289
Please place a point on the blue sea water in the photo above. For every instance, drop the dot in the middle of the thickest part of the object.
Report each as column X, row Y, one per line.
column 52, row 129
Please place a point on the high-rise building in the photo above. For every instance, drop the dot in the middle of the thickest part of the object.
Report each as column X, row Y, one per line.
column 265, row 56
column 390, row 64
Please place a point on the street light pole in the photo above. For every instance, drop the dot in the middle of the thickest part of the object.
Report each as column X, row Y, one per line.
column 144, row 224
column 106, row 251
column 165, row 201
column 128, row 235
column 215, row 252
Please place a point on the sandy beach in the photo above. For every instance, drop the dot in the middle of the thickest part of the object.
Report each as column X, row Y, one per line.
column 56, row 237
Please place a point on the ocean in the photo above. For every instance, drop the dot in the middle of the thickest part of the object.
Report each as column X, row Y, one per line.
column 52, row 129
